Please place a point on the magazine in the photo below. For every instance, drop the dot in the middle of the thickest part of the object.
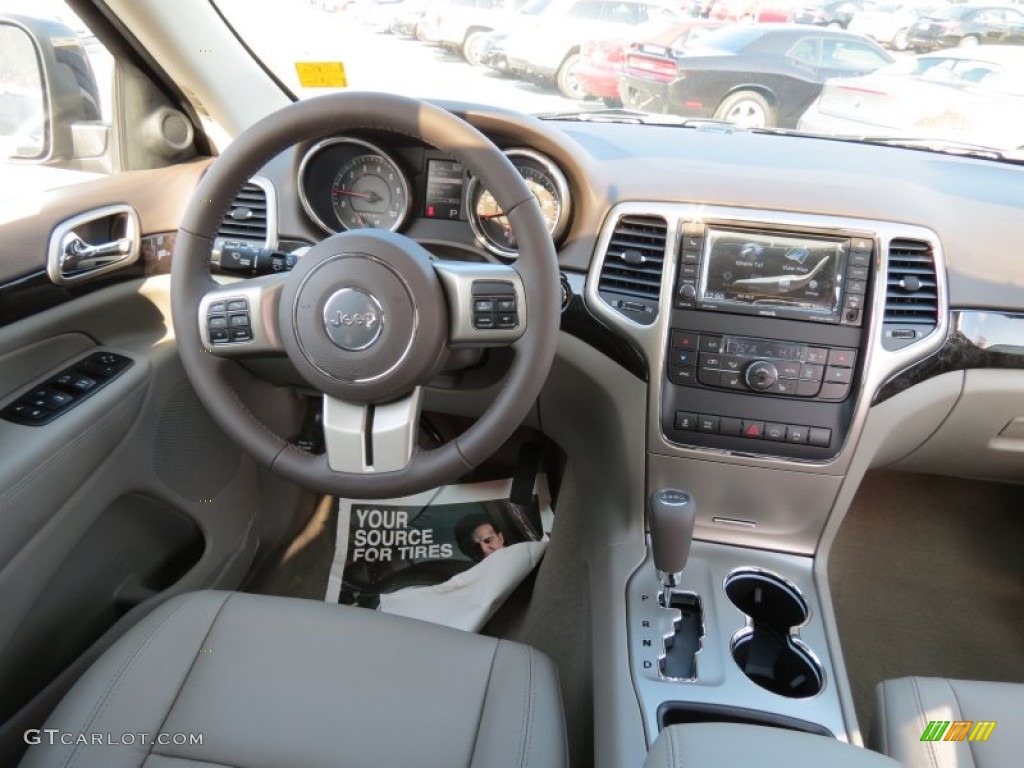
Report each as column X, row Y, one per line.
column 450, row 555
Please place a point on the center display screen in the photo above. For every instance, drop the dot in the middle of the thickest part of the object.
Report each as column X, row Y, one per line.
column 774, row 275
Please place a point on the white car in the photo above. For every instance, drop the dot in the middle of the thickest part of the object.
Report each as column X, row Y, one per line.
column 462, row 25
column 546, row 43
column 973, row 95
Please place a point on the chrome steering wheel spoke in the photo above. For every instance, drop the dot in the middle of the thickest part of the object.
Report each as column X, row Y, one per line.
column 370, row 439
column 239, row 318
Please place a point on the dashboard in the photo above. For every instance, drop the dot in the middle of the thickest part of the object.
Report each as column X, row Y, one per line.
column 768, row 302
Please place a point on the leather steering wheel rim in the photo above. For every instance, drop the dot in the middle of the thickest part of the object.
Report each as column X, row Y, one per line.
column 216, row 380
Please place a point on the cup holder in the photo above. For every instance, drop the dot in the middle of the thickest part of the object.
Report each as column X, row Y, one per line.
column 766, row 649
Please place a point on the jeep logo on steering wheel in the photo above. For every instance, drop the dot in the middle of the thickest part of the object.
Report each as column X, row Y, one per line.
column 353, row 319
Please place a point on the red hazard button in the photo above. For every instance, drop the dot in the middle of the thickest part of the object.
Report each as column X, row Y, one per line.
column 754, row 429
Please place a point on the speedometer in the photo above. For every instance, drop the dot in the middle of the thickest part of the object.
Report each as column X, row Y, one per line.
column 370, row 191
column 548, row 185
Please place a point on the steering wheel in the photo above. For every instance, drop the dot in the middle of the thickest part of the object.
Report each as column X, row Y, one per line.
column 366, row 317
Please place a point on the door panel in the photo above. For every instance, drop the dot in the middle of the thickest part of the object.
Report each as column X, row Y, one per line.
column 129, row 497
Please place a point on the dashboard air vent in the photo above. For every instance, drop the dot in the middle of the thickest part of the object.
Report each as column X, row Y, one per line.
column 911, row 292
column 246, row 219
column 631, row 273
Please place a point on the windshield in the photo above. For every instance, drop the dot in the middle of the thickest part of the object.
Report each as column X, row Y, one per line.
column 576, row 56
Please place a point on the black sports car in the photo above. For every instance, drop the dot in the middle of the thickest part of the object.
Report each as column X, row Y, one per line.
column 964, row 25
column 754, row 76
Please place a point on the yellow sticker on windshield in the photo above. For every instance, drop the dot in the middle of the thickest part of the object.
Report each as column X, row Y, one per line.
column 321, row 74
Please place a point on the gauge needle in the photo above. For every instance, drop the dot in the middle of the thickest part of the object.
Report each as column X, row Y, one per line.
column 497, row 215
column 373, row 197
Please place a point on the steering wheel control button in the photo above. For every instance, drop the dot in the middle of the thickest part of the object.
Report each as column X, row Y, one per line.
column 229, row 321
column 494, row 305
column 353, row 319
column 761, row 375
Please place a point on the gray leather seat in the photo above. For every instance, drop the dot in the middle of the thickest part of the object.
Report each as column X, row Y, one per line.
column 732, row 745
column 280, row 682
column 905, row 707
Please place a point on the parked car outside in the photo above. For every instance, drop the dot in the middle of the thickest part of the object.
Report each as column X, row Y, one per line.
column 890, row 23
column 830, row 13
column 755, row 76
column 954, row 94
column 407, row 16
column 462, row 24
column 546, row 45
column 968, row 25
column 492, row 52
column 760, row 11
column 601, row 60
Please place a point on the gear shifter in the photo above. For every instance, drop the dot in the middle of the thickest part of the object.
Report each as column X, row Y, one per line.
column 671, row 515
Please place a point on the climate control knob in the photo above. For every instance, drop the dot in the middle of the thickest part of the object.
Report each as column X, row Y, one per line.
column 761, row 375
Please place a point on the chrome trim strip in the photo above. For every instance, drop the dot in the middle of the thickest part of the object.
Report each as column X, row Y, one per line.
column 878, row 363
column 319, row 147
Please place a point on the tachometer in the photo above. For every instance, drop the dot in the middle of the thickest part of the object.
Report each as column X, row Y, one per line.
column 548, row 185
column 370, row 191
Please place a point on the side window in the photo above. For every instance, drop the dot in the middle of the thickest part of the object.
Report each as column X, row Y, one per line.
column 586, row 9
column 621, row 12
column 851, row 55
column 58, row 105
column 807, row 51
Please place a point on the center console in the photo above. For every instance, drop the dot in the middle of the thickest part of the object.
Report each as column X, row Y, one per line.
column 766, row 336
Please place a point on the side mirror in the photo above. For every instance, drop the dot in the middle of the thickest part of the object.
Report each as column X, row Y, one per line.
column 49, row 99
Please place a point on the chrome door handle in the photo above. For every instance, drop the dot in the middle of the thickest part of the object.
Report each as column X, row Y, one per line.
column 79, row 256
column 72, row 258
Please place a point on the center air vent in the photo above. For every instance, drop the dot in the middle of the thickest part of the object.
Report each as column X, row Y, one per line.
column 246, row 219
column 911, row 293
column 631, row 273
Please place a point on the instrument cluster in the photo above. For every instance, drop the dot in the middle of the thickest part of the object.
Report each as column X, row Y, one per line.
column 349, row 183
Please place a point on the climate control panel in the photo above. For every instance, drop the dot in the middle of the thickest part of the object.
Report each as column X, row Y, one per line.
column 760, row 366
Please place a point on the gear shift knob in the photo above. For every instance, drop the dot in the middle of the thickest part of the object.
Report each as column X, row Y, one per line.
column 671, row 515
